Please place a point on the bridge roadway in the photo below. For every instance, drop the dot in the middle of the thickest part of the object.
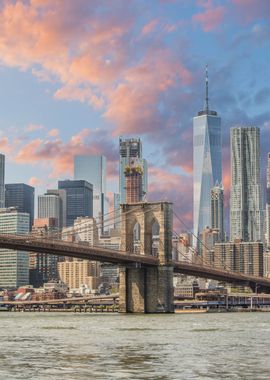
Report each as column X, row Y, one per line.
column 61, row 248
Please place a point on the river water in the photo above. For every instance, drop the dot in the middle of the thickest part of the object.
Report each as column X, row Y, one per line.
column 113, row 346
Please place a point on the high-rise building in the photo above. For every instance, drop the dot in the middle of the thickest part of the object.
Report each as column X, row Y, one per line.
column 49, row 207
column 241, row 257
column 246, row 206
column 43, row 267
column 62, row 205
column 207, row 163
column 2, row 180
column 79, row 199
column 129, row 150
column 53, row 204
column 93, row 170
column 134, row 181
column 14, row 265
column 22, row 197
column 267, row 213
column 217, row 210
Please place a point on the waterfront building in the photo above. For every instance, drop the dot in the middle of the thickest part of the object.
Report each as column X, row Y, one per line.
column 79, row 199
column 80, row 272
column 43, row 267
column 217, row 210
column 130, row 149
column 239, row 256
column 14, row 264
column 246, row 206
column 133, row 181
column 93, row 170
column 2, row 180
column 207, row 163
column 22, row 197
column 267, row 213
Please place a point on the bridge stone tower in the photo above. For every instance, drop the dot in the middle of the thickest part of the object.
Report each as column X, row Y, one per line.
column 146, row 229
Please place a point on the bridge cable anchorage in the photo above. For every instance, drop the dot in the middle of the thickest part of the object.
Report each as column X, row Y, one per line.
column 229, row 270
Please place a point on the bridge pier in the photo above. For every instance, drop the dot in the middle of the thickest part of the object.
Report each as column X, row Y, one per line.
column 147, row 289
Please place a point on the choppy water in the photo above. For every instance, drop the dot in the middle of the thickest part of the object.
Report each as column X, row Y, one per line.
column 89, row 346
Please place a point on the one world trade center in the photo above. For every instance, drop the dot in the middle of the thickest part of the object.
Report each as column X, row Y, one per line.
column 207, row 163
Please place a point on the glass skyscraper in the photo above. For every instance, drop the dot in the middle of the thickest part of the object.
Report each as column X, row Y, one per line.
column 93, row 170
column 22, row 197
column 79, row 199
column 267, row 214
column 246, row 205
column 130, row 149
column 207, row 163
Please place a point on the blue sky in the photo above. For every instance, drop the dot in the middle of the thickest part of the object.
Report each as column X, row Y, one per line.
column 75, row 75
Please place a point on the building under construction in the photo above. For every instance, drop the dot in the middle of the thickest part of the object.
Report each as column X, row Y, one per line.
column 134, row 182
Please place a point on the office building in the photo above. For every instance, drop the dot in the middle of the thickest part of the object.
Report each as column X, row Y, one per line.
column 22, row 197
column 49, row 207
column 210, row 236
column 133, row 181
column 43, row 267
column 79, row 199
column 80, row 272
column 267, row 213
column 217, row 210
column 62, row 205
column 239, row 256
column 2, row 180
column 93, row 170
column 84, row 230
column 14, row 265
column 130, row 149
column 207, row 164
column 246, row 206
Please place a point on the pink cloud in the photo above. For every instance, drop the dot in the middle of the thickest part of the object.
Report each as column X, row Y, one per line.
column 148, row 28
column 249, row 10
column 34, row 127
column 211, row 17
column 53, row 132
column 34, row 181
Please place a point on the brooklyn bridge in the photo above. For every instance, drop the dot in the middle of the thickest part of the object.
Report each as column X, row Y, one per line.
column 145, row 276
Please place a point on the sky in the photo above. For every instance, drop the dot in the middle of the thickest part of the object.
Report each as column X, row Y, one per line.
column 76, row 75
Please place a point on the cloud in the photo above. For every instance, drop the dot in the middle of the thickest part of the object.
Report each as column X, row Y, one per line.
column 34, row 127
column 53, row 132
column 211, row 17
column 149, row 27
column 34, row 181
column 250, row 10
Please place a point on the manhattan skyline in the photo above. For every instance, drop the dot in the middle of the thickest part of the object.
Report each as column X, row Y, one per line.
column 138, row 72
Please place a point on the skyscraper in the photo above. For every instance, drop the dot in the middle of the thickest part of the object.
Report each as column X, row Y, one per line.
column 93, row 170
column 207, row 162
column 79, row 199
column 217, row 210
column 49, row 207
column 2, row 180
column 62, row 205
column 133, row 182
column 131, row 149
column 14, row 265
column 267, row 214
column 22, row 197
column 246, row 206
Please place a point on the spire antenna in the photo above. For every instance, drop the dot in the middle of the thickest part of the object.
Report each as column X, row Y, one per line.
column 206, row 90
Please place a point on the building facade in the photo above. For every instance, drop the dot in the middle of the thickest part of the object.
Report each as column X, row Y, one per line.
column 2, row 180
column 43, row 267
column 22, row 197
column 267, row 211
column 207, row 164
column 14, row 265
column 93, row 170
column 130, row 149
column 239, row 256
column 62, row 195
column 49, row 207
column 217, row 210
column 79, row 199
column 246, row 213
column 134, row 182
